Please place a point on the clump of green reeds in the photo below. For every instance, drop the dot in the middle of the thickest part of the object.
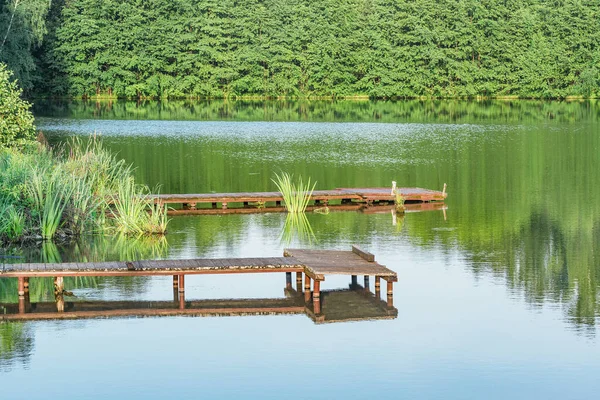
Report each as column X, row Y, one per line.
column 45, row 193
column 399, row 201
column 134, row 212
column 50, row 199
column 295, row 195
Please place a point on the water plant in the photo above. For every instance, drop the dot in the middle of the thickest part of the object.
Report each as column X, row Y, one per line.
column 295, row 195
column 129, row 210
column 399, row 201
column 63, row 191
column 49, row 199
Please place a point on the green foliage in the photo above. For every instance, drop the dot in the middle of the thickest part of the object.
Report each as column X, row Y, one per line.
column 64, row 192
column 50, row 198
column 399, row 201
column 23, row 24
column 16, row 121
column 295, row 195
column 331, row 48
column 129, row 209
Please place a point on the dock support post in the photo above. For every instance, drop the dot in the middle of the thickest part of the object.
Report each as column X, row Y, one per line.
column 181, row 284
column 22, row 306
column 367, row 283
column 21, row 289
column 21, row 292
column 306, row 288
column 390, row 294
column 317, row 297
column 377, row 287
column 298, row 282
column 175, row 288
column 59, row 285
column 288, row 280
column 59, row 288
column 182, row 300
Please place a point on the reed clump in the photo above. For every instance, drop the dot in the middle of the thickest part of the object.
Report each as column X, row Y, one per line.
column 296, row 195
column 399, row 201
column 68, row 191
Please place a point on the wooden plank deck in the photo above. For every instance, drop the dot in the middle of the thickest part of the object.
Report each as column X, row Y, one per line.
column 154, row 267
column 319, row 263
column 361, row 195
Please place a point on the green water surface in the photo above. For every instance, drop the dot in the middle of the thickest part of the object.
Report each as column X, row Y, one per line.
column 501, row 289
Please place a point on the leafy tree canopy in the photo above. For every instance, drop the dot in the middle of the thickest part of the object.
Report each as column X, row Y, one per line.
column 309, row 48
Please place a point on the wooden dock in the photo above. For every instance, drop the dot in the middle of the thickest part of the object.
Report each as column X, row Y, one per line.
column 315, row 265
column 262, row 200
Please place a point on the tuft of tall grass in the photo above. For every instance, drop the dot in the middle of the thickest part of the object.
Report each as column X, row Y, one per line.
column 129, row 209
column 295, row 195
column 50, row 199
column 399, row 201
column 15, row 223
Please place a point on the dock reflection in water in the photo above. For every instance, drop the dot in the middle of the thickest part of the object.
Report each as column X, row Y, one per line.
column 353, row 304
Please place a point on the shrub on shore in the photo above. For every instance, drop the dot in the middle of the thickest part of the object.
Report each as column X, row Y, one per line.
column 16, row 121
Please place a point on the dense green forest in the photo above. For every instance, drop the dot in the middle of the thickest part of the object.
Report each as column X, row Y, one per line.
column 303, row 48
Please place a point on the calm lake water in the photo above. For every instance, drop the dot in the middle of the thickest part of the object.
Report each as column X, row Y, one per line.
column 498, row 298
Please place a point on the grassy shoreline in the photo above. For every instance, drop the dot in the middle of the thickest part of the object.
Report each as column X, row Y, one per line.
column 75, row 189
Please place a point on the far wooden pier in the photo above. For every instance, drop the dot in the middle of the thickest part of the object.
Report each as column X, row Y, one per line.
column 319, row 198
column 311, row 268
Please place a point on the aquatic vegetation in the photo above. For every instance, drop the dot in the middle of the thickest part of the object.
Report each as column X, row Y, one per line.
column 399, row 201
column 62, row 192
column 49, row 200
column 295, row 195
column 129, row 210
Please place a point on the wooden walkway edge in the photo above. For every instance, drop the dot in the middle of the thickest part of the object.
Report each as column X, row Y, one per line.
column 314, row 264
column 368, row 196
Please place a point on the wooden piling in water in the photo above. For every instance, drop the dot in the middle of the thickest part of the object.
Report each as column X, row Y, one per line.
column 306, row 288
column 182, row 301
column 298, row 281
column 21, row 286
column 317, row 297
column 181, row 284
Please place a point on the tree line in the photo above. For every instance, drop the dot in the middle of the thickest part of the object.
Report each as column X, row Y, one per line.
column 303, row 48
